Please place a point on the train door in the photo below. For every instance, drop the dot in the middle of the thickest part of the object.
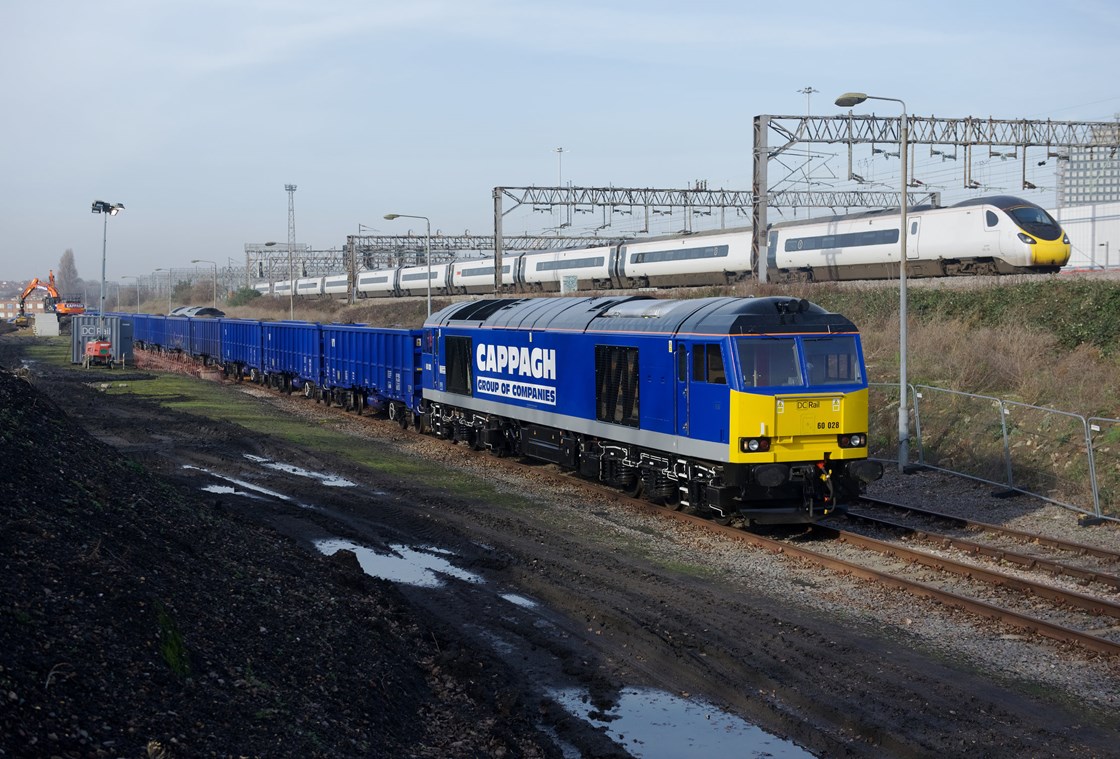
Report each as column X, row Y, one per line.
column 991, row 237
column 681, row 412
column 702, row 392
column 617, row 265
column 912, row 239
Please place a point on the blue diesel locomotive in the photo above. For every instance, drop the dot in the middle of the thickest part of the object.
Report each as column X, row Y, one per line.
column 750, row 408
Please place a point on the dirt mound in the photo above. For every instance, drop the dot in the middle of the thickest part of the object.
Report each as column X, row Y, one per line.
column 133, row 614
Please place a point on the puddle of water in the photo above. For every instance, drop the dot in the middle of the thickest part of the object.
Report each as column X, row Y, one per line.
column 405, row 565
column 247, row 486
column 653, row 724
column 330, row 480
column 223, row 490
column 521, row 601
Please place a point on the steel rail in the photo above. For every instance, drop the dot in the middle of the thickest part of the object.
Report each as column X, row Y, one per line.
column 1023, row 560
column 942, row 564
column 1015, row 619
column 1065, row 545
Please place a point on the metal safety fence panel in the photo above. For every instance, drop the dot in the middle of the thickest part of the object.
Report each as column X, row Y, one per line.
column 1104, row 437
column 1055, row 455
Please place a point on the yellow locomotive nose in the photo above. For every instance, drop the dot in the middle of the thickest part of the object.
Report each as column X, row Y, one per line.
column 1050, row 252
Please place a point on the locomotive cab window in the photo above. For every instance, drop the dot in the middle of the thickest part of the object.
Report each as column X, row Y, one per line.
column 616, row 384
column 990, row 219
column 833, row 360
column 769, row 362
column 458, row 354
column 707, row 364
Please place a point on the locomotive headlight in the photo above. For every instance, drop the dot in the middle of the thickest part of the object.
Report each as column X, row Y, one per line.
column 1027, row 238
column 754, row 444
column 1065, row 238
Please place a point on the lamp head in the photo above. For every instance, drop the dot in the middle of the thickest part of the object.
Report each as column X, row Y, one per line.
column 848, row 99
column 100, row 206
column 391, row 216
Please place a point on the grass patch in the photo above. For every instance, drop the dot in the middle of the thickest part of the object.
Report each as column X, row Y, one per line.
column 171, row 643
column 228, row 403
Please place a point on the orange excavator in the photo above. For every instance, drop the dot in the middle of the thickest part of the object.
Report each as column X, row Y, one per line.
column 53, row 303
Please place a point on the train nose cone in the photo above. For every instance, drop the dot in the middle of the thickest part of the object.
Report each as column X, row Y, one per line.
column 1050, row 253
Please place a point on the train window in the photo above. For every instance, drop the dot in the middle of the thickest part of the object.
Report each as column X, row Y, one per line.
column 616, row 384
column 482, row 271
column 707, row 364
column 769, row 362
column 574, row 263
column 458, row 355
column 679, row 254
column 682, row 364
column 990, row 218
column 846, row 240
column 833, row 360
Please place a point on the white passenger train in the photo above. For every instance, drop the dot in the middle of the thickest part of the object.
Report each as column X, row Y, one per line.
column 994, row 235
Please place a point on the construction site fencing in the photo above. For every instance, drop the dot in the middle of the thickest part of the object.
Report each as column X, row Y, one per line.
column 1061, row 457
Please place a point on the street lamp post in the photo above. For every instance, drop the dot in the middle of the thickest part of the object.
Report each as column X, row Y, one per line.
column 128, row 276
column 168, row 288
column 847, row 100
column 427, row 247
column 109, row 209
column 215, row 265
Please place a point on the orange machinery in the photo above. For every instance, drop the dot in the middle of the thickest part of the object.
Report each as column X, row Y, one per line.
column 53, row 303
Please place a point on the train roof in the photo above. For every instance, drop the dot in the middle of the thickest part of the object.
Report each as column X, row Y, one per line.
column 709, row 316
column 999, row 201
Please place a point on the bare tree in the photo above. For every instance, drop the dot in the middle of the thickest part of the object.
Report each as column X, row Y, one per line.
column 66, row 277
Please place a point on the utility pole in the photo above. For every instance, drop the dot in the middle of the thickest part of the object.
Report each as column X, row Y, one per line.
column 291, row 190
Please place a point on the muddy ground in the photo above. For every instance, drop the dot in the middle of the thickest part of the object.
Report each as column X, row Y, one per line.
column 138, row 608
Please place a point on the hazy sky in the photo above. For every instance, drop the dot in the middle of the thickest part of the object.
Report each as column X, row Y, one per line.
column 195, row 115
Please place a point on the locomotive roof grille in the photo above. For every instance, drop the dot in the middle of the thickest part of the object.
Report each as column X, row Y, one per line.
column 713, row 316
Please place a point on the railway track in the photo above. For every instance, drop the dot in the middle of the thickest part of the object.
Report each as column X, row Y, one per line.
column 1089, row 621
